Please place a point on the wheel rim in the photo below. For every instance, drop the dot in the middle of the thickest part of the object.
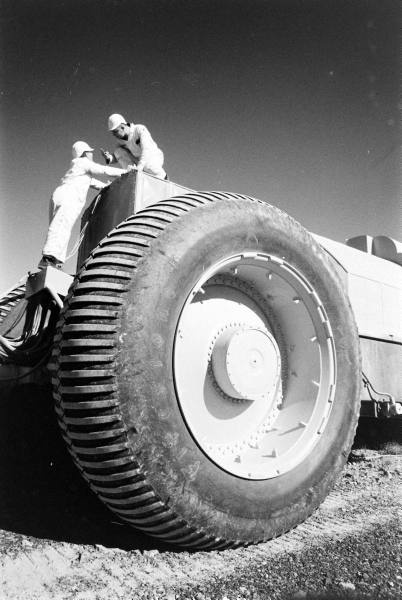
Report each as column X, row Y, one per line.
column 254, row 365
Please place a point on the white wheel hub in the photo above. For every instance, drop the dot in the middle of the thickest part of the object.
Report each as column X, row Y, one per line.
column 246, row 363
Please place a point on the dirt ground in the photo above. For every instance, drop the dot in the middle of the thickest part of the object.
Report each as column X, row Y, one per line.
column 58, row 542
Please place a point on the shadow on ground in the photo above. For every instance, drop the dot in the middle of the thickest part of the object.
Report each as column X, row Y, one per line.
column 42, row 493
column 384, row 435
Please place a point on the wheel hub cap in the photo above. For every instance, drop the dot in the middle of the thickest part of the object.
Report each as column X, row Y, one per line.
column 246, row 363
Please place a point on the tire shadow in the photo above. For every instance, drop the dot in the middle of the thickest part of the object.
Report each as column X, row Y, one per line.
column 42, row 493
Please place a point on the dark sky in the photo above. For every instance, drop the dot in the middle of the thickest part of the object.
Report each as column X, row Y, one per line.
column 292, row 101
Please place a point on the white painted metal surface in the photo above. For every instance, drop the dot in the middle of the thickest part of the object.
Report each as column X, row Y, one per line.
column 254, row 365
column 246, row 362
column 150, row 189
column 51, row 279
column 374, row 286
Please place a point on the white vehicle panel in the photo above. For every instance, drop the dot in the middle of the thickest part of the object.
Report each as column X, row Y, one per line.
column 375, row 290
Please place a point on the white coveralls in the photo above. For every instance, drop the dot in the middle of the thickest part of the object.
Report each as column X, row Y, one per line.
column 140, row 149
column 68, row 200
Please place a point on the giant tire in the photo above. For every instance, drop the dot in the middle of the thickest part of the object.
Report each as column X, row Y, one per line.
column 124, row 411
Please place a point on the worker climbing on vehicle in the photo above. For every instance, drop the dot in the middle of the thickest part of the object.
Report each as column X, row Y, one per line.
column 136, row 148
column 68, row 200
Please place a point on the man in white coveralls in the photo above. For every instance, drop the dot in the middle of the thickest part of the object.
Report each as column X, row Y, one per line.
column 68, row 201
column 136, row 147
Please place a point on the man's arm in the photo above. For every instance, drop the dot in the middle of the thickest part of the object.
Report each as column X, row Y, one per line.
column 95, row 169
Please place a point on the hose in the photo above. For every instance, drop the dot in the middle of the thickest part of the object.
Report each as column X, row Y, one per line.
column 78, row 242
column 371, row 390
column 16, row 321
column 37, row 336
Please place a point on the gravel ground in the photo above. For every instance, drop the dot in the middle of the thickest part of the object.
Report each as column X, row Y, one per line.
column 58, row 542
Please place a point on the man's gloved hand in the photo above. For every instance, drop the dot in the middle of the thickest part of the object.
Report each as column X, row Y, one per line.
column 107, row 156
column 131, row 168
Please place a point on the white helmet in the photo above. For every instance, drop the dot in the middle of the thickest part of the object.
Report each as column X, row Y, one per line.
column 114, row 121
column 79, row 148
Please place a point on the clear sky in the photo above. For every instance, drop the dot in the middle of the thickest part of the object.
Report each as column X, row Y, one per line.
column 293, row 101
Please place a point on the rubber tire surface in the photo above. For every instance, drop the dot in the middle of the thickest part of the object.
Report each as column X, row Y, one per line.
column 114, row 386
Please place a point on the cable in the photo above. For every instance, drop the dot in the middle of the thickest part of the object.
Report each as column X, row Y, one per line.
column 370, row 389
column 16, row 322
column 4, row 342
column 37, row 336
column 78, row 242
